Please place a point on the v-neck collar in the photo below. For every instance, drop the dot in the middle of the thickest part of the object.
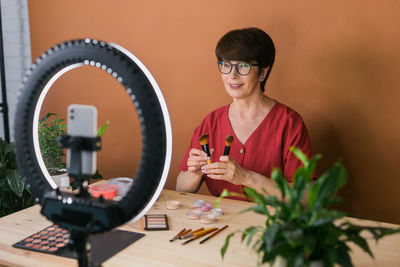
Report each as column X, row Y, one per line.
column 258, row 126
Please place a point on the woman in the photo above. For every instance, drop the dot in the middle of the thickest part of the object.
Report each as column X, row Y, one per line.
column 263, row 129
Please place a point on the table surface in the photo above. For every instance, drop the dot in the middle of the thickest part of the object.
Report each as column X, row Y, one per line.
column 154, row 249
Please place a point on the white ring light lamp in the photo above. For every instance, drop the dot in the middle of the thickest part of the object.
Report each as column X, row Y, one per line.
column 154, row 120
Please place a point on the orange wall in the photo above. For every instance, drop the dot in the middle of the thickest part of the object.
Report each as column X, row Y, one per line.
column 337, row 64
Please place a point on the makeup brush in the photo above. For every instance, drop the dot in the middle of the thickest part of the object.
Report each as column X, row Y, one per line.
column 200, row 234
column 228, row 142
column 213, row 234
column 204, row 144
column 177, row 235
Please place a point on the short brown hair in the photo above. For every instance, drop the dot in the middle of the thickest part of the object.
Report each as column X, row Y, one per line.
column 248, row 44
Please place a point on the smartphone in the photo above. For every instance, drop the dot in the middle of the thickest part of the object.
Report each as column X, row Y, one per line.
column 82, row 121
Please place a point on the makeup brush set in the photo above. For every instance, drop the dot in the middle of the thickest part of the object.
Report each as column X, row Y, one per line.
column 196, row 234
column 203, row 140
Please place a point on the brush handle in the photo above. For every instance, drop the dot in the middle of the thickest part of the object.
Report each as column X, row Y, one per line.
column 207, row 150
column 178, row 235
column 226, row 150
column 212, row 235
column 200, row 234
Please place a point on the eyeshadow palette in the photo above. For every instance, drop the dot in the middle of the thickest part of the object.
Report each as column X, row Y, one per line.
column 50, row 240
column 54, row 240
column 154, row 222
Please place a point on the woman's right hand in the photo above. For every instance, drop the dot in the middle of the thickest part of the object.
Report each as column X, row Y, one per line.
column 197, row 158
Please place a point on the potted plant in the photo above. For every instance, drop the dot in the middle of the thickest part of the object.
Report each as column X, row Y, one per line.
column 14, row 195
column 52, row 153
column 300, row 228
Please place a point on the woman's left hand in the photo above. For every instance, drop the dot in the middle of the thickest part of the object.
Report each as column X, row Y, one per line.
column 227, row 169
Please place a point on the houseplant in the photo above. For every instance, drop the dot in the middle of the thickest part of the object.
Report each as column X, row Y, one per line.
column 300, row 228
column 14, row 195
column 52, row 153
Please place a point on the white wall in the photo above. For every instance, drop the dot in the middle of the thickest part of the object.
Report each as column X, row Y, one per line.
column 17, row 52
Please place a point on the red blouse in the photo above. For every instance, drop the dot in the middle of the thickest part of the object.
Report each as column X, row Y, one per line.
column 266, row 148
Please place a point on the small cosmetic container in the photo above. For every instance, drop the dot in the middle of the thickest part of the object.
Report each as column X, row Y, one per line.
column 108, row 191
column 206, row 207
column 207, row 219
column 123, row 183
column 216, row 212
column 193, row 214
column 198, row 202
column 173, row 204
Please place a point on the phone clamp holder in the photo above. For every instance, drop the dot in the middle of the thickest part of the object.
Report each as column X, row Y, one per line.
column 77, row 144
column 81, row 214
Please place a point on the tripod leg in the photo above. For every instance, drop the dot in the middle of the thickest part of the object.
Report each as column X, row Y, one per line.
column 81, row 242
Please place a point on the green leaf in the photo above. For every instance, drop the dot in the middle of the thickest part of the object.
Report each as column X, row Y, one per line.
column 269, row 236
column 101, row 131
column 342, row 256
column 362, row 243
column 226, row 193
column 226, row 244
column 48, row 115
column 257, row 198
column 280, row 248
column 282, row 184
column 9, row 148
column 295, row 259
column 314, row 191
column 96, row 175
column 379, row 232
column 300, row 181
column 260, row 209
column 250, row 233
column 328, row 185
column 300, row 155
column 294, row 236
column 326, row 216
column 15, row 182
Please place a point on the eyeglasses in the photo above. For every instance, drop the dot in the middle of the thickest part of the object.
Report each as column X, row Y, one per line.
column 243, row 68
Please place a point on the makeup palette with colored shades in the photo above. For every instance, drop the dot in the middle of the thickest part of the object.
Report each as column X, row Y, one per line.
column 54, row 240
column 156, row 222
column 50, row 240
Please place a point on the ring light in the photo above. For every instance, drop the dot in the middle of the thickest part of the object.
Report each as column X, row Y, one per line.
column 151, row 109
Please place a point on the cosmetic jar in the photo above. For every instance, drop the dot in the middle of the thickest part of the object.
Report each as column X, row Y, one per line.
column 117, row 198
column 198, row 202
column 173, row 204
column 108, row 191
column 207, row 219
column 216, row 212
column 193, row 214
column 206, row 207
column 123, row 183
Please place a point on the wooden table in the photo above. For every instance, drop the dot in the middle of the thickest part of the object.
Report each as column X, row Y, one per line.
column 154, row 249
